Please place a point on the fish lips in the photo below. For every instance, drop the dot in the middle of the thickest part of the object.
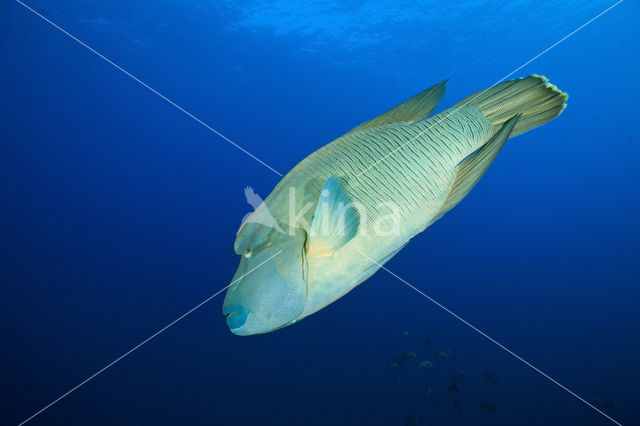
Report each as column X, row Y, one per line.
column 236, row 315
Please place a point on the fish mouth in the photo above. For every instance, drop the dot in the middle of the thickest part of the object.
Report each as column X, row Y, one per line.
column 236, row 316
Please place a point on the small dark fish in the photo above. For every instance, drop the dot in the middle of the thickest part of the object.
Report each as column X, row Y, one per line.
column 392, row 365
column 406, row 335
column 442, row 355
column 427, row 366
column 490, row 377
column 409, row 354
column 487, row 406
column 601, row 402
column 411, row 421
column 461, row 373
column 430, row 396
column 456, row 378
column 426, row 342
column 457, row 405
column 398, row 384
column 398, row 361
column 453, row 389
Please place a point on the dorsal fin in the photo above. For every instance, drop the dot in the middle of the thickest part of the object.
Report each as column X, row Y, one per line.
column 411, row 110
column 471, row 169
column 335, row 221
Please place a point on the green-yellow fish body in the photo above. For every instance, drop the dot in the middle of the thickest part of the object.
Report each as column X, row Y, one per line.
column 347, row 208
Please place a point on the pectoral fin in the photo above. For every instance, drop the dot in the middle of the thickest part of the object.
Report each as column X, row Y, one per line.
column 335, row 220
column 471, row 169
column 411, row 110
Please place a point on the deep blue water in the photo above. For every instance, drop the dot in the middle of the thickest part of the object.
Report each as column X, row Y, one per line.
column 118, row 214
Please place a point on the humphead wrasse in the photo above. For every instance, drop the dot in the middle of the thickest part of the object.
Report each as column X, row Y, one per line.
column 346, row 209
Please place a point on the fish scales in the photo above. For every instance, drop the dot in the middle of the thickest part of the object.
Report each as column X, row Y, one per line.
column 410, row 166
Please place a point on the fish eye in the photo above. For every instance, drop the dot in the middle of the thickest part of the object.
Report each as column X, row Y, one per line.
column 247, row 253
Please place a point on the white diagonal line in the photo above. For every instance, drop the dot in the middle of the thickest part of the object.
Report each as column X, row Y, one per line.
column 143, row 342
column 497, row 82
column 500, row 345
column 150, row 88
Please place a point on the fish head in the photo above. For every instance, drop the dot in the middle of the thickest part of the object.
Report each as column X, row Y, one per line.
column 269, row 289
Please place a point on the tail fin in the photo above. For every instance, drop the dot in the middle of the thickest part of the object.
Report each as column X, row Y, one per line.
column 537, row 100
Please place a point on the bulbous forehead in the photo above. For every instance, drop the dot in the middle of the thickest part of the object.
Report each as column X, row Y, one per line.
column 250, row 236
column 258, row 229
column 254, row 236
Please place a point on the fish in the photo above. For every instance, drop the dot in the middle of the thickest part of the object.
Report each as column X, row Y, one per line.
column 427, row 366
column 430, row 396
column 346, row 209
column 411, row 421
column 490, row 377
column 453, row 389
column 393, row 365
column 426, row 342
column 601, row 402
column 456, row 378
column 487, row 406
column 406, row 334
column 410, row 354
column 397, row 384
column 457, row 405
column 443, row 354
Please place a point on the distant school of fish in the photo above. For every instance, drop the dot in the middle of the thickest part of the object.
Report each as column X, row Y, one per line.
column 454, row 388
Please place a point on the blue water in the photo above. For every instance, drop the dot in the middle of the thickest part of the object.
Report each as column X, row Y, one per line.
column 118, row 214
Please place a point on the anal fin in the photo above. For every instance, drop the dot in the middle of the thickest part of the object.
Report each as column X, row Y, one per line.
column 471, row 169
